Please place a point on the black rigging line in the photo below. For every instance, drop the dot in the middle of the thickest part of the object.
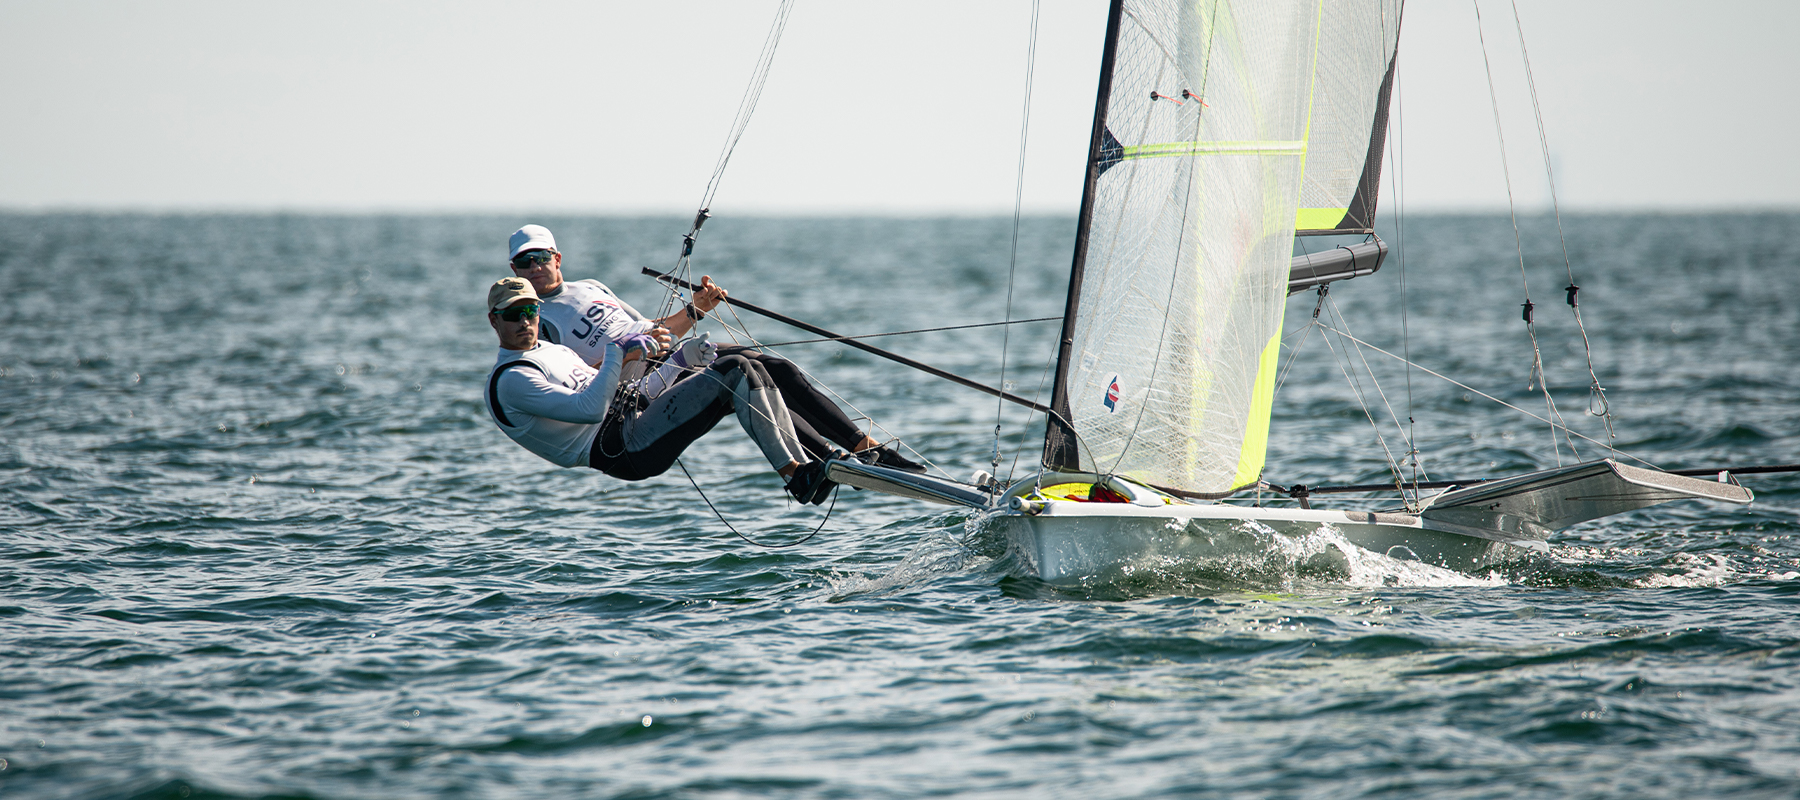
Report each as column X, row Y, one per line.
column 904, row 333
column 721, row 517
column 867, row 348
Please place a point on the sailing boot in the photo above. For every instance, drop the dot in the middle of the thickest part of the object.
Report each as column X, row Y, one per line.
column 809, row 484
column 886, row 457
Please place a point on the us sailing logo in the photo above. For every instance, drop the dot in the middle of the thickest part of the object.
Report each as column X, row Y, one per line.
column 1112, row 395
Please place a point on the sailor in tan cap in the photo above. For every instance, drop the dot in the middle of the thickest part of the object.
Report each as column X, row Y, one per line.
column 585, row 316
column 552, row 404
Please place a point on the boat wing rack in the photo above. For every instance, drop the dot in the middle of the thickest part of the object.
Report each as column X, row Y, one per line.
column 907, row 484
column 1535, row 504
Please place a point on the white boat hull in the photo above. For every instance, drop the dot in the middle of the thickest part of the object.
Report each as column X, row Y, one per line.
column 1066, row 542
column 1137, row 527
column 1467, row 530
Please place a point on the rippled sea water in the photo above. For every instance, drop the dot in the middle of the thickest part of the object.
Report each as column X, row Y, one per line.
column 259, row 539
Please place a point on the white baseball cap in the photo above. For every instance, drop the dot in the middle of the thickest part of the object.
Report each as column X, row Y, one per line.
column 530, row 237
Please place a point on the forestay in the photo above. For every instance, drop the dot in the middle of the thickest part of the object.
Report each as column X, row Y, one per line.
column 1167, row 367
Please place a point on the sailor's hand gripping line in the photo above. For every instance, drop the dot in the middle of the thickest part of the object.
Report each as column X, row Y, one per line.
column 740, row 334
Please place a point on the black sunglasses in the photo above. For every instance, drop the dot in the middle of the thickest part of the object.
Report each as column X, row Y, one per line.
column 532, row 258
column 514, row 313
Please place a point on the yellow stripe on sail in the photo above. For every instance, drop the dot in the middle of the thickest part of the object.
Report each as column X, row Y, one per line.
column 1319, row 219
column 1262, row 404
column 1248, row 148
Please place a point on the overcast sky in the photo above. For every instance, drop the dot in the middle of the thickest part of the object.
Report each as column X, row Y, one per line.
column 621, row 107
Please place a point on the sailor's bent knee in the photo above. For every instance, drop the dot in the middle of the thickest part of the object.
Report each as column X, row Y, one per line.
column 728, row 364
column 754, row 374
column 781, row 369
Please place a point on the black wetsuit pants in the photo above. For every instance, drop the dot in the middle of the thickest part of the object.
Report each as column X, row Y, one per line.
column 817, row 421
column 638, row 444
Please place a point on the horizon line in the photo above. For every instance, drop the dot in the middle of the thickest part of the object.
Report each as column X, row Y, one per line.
column 33, row 209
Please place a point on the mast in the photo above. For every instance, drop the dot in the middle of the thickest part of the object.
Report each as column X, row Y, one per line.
column 1060, row 445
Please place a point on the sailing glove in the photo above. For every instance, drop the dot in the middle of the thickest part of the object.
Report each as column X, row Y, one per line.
column 640, row 343
column 693, row 355
column 696, row 353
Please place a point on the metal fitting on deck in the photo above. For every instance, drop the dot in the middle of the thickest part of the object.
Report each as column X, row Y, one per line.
column 1028, row 507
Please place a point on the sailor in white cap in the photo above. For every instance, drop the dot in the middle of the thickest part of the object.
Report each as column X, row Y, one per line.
column 585, row 315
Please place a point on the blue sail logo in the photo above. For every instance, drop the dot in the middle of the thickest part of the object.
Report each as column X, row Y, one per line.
column 1112, row 395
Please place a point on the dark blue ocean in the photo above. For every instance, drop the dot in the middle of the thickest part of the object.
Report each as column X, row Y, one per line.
column 258, row 538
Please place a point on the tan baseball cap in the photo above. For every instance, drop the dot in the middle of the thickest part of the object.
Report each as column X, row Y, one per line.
column 507, row 291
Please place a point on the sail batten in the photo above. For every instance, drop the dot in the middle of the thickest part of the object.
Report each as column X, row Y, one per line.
column 1162, row 149
column 1204, row 137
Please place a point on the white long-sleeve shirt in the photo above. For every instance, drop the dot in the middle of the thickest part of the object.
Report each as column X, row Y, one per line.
column 555, row 411
column 584, row 316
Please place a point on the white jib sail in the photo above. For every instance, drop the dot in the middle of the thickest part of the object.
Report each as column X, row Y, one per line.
column 1357, row 41
column 1171, row 368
